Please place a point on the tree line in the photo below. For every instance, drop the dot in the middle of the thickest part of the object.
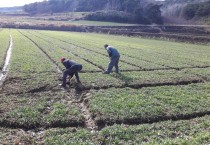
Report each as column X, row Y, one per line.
column 137, row 11
column 197, row 10
column 187, row 9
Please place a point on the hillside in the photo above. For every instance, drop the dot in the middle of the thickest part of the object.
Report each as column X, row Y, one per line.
column 131, row 11
column 185, row 11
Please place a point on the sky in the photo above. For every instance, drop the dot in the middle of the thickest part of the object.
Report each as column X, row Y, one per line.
column 11, row 3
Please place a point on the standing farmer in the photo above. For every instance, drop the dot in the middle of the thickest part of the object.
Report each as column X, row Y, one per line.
column 72, row 68
column 114, row 59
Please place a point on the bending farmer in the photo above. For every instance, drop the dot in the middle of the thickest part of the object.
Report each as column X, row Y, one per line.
column 114, row 59
column 72, row 68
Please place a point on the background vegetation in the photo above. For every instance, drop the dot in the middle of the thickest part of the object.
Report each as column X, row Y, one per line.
column 197, row 10
column 135, row 11
column 178, row 11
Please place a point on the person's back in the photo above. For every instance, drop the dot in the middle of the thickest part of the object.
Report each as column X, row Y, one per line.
column 69, row 63
column 72, row 68
column 112, row 52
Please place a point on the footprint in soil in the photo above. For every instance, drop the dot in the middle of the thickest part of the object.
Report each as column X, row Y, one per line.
column 79, row 87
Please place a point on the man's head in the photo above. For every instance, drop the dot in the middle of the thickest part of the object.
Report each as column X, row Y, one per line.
column 106, row 45
column 62, row 59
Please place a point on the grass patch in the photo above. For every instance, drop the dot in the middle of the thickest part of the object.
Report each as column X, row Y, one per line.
column 69, row 136
column 194, row 131
column 4, row 38
column 157, row 76
column 99, row 80
column 40, row 110
column 64, row 115
column 15, row 136
column 149, row 104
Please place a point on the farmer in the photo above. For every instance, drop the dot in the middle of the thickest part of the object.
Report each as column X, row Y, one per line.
column 114, row 59
column 72, row 68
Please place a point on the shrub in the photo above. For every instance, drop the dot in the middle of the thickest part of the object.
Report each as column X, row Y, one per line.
column 111, row 16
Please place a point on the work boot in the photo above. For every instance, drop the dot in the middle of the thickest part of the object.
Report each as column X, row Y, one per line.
column 106, row 72
column 62, row 85
column 117, row 71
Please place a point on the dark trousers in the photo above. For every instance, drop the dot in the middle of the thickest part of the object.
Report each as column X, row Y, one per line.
column 71, row 72
column 114, row 61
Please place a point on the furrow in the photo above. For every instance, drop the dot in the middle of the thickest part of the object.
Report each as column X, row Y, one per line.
column 133, row 86
column 59, row 69
column 139, row 121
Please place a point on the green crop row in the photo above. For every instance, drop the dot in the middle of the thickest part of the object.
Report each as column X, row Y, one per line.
column 75, row 40
column 56, row 52
column 27, row 55
column 101, row 60
column 43, row 71
column 32, row 78
column 100, row 51
column 188, row 132
column 203, row 73
column 46, row 109
column 185, row 132
column 160, row 77
column 94, row 57
column 156, row 46
column 140, row 79
column 97, row 80
column 149, row 104
column 4, row 39
column 29, row 67
column 159, row 52
column 92, row 46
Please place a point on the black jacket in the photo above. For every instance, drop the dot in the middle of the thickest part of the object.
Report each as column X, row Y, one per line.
column 69, row 63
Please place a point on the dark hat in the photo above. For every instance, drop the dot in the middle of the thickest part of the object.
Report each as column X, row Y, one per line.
column 106, row 45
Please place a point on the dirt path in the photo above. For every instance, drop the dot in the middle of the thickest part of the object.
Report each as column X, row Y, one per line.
column 5, row 69
column 83, row 104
